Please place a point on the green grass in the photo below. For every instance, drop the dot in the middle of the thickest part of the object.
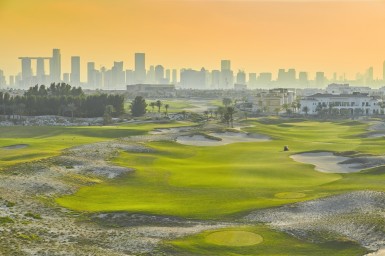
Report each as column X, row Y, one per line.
column 48, row 141
column 274, row 243
column 218, row 182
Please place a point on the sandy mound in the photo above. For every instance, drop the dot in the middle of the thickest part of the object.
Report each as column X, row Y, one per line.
column 351, row 215
column 17, row 146
column 170, row 130
column 330, row 163
column 224, row 139
column 327, row 162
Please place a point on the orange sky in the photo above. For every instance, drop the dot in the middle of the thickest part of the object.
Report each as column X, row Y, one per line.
column 258, row 36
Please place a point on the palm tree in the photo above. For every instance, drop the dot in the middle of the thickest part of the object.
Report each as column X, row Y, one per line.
column 158, row 103
column 221, row 112
column 152, row 105
column 230, row 111
column 305, row 109
column 166, row 106
column 226, row 101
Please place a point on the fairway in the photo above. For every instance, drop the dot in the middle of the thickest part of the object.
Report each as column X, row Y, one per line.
column 213, row 183
column 21, row 144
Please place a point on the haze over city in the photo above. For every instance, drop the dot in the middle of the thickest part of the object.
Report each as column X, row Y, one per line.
column 258, row 36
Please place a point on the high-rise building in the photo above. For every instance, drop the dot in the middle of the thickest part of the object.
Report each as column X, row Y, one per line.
column 118, row 75
column 140, row 67
column 320, row 79
column 130, row 77
column 227, row 76
column 193, row 79
column 264, row 79
column 241, row 77
column 159, row 74
column 2, row 79
column 40, row 70
column 91, row 74
column 225, row 65
column 252, row 80
column 303, row 79
column 215, row 79
column 75, row 70
column 168, row 76
column 26, row 71
column 174, row 76
column 55, row 66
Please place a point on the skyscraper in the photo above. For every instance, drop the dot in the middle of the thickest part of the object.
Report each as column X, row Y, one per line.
column 91, row 74
column 75, row 70
column 225, row 65
column 174, row 76
column 55, row 66
column 140, row 67
column 40, row 70
column 303, row 79
column 159, row 74
column 227, row 77
column 320, row 79
column 241, row 77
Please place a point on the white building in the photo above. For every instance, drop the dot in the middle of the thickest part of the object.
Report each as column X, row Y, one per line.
column 355, row 103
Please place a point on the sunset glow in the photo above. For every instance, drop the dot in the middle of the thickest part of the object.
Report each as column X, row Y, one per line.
column 258, row 36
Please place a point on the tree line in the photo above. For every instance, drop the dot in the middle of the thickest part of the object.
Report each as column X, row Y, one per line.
column 60, row 99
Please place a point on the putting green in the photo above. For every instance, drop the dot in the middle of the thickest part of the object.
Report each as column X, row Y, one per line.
column 234, row 238
column 290, row 195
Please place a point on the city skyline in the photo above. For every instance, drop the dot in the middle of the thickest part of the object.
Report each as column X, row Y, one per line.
column 258, row 36
column 33, row 71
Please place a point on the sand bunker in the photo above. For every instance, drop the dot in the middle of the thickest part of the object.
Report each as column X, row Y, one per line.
column 226, row 138
column 234, row 238
column 327, row 162
column 330, row 163
column 159, row 131
column 375, row 135
column 17, row 146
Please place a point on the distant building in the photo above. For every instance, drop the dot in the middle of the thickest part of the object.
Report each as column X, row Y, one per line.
column 152, row 90
column 320, row 79
column 227, row 76
column 140, row 67
column 159, row 74
column 55, row 66
column 75, row 70
column 193, row 79
column 350, row 104
column 241, row 77
column 272, row 101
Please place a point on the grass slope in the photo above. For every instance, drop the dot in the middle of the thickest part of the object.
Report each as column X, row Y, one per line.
column 218, row 182
column 48, row 141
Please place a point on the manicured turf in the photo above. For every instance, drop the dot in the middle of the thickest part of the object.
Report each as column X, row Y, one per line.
column 218, row 182
column 273, row 244
column 43, row 142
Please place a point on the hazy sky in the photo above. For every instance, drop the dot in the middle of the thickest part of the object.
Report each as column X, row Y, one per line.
column 256, row 35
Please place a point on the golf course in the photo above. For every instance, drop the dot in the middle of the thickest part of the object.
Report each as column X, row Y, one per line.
column 229, row 191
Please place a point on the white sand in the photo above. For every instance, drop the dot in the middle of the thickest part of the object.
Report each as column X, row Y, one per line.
column 227, row 138
column 160, row 131
column 326, row 162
